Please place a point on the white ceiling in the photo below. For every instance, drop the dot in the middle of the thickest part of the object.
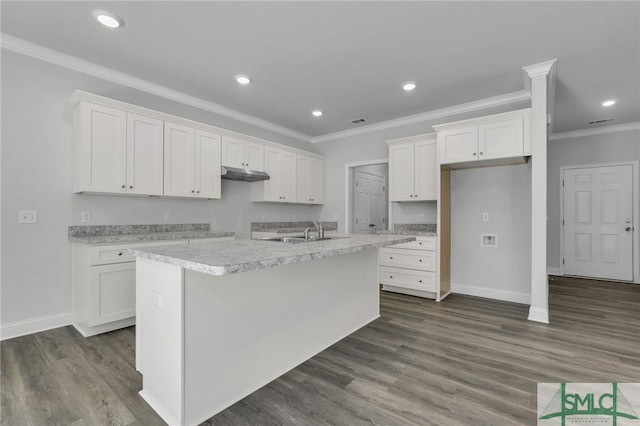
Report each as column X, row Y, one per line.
column 350, row 58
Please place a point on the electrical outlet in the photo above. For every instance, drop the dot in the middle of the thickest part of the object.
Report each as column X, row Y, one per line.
column 485, row 217
column 27, row 216
column 85, row 216
column 167, row 216
column 421, row 217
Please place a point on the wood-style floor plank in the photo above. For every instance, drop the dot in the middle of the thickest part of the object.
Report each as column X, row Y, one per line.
column 464, row 361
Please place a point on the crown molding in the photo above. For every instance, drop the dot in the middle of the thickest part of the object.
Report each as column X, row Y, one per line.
column 547, row 68
column 71, row 62
column 624, row 127
column 536, row 70
column 481, row 104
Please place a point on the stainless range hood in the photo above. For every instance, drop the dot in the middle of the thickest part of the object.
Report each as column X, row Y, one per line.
column 244, row 175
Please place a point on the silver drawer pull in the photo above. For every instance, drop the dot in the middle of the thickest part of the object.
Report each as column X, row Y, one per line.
column 120, row 254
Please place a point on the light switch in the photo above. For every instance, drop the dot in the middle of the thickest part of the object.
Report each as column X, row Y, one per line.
column 167, row 216
column 421, row 217
column 485, row 217
column 28, row 216
column 85, row 216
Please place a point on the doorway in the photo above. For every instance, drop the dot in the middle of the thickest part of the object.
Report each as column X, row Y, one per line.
column 367, row 201
column 598, row 212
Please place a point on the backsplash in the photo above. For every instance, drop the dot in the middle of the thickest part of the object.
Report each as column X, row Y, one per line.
column 279, row 226
column 415, row 227
column 80, row 231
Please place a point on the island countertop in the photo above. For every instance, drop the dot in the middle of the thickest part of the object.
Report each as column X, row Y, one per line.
column 231, row 257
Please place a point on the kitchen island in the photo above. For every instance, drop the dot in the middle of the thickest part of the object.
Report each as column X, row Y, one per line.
column 217, row 321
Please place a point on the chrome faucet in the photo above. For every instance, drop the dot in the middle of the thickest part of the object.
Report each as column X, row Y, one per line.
column 319, row 228
column 306, row 234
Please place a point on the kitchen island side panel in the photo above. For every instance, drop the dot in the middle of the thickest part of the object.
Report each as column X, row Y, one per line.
column 244, row 330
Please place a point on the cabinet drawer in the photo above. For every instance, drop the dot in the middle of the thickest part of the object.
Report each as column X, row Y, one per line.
column 421, row 243
column 405, row 278
column 412, row 259
column 112, row 293
column 119, row 253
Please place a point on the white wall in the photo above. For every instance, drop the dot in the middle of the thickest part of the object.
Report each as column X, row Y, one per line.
column 410, row 212
column 586, row 150
column 36, row 175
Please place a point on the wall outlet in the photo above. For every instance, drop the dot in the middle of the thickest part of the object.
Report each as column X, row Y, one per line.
column 485, row 217
column 489, row 240
column 421, row 217
column 167, row 216
column 85, row 216
column 28, row 216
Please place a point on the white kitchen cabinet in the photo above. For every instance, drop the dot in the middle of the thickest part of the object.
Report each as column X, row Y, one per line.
column 116, row 152
column 191, row 162
column 104, row 281
column 413, row 168
column 492, row 140
column 242, row 154
column 281, row 166
column 310, row 180
column 410, row 268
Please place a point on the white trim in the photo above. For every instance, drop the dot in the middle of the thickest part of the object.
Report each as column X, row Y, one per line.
column 347, row 190
column 490, row 293
column 548, row 68
column 538, row 315
column 635, row 184
column 34, row 325
column 71, row 62
column 481, row 104
column 554, row 271
column 624, row 127
column 535, row 70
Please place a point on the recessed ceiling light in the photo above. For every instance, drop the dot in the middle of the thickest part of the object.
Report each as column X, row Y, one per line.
column 316, row 113
column 409, row 86
column 108, row 19
column 243, row 79
column 609, row 102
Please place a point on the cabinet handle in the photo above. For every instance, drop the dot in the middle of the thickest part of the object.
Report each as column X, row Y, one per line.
column 419, row 244
column 130, row 186
column 192, row 191
column 416, row 195
column 197, row 192
column 411, row 195
column 124, row 186
column 474, row 154
column 390, row 276
column 120, row 254
column 419, row 281
column 419, row 260
column 481, row 152
column 390, row 257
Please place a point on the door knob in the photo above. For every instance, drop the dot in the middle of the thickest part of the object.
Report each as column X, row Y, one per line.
column 628, row 228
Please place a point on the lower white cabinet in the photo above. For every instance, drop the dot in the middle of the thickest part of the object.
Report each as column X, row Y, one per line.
column 410, row 268
column 104, row 280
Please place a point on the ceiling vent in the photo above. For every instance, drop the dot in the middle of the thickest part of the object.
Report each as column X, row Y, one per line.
column 604, row 120
column 356, row 121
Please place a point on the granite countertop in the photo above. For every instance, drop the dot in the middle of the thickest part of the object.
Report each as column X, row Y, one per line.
column 231, row 257
column 115, row 234
column 289, row 227
column 418, row 229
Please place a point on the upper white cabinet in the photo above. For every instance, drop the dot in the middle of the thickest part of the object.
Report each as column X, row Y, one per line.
column 116, row 151
column 242, row 154
column 191, row 162
column 495, row 139
column 310, row 180
column 281, row 166
column 413, row 167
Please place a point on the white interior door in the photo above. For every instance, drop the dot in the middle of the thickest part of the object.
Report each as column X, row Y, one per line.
column 370, row 201
column 598, row 222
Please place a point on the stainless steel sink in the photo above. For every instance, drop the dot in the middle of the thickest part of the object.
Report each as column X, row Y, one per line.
column 296, row 239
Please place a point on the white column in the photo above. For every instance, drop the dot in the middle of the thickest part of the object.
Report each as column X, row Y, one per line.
column 538, row 74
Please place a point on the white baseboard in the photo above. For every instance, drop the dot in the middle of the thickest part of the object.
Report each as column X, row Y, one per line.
column 35, row 325
column 554, row 271
column 539, row 315
column 489, row 293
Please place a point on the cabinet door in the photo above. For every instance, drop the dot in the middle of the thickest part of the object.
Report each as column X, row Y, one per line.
column 112, row 293
column 179, row 160
column 207, row 167
column 289, row 177
column 316, row 181
column 458, row 145
column 501, row 139
column 426, row 170
column 100, row 152
column 304, row 180
column 232, row 152
column 401, row 172
column 144, row 155
column 254, row 156
column 273, row 166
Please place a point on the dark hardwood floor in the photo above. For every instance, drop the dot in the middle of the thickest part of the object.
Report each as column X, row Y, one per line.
column 464, row 361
